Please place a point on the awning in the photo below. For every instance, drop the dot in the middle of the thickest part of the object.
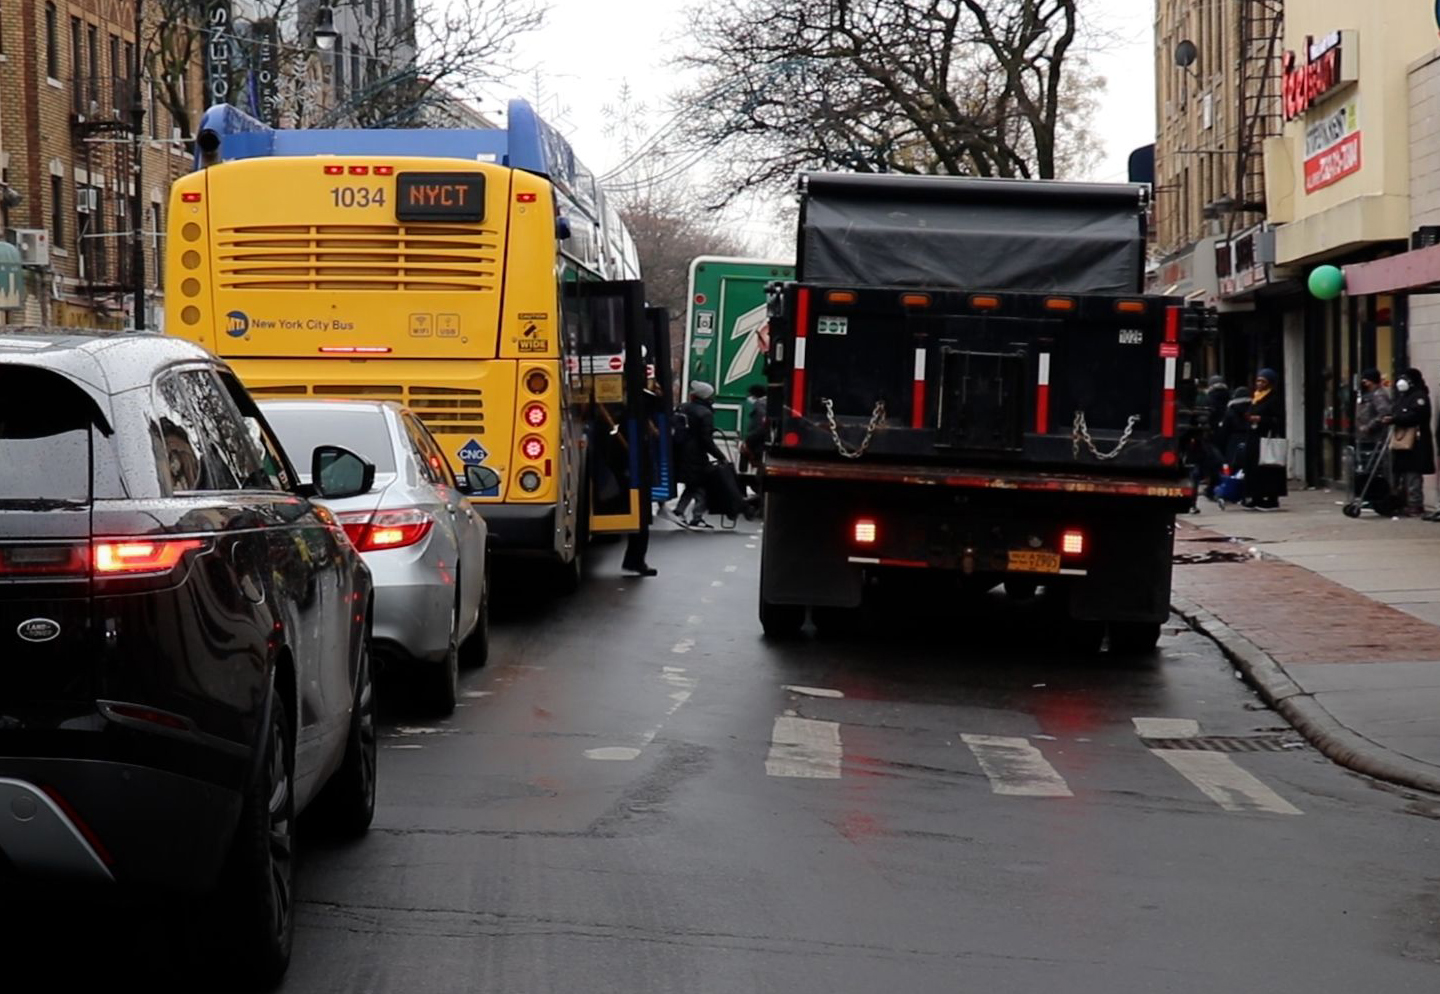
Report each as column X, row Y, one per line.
column 12, row 278
column 1416, row 271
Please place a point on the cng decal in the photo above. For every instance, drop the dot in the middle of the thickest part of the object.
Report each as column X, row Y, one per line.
column 472, row 453
column 752, row 331
column 237, row 323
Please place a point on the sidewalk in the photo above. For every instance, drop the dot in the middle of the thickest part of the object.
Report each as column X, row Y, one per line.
column 1335, row 620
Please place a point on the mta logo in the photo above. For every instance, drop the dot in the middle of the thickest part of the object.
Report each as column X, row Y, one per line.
column 237, row 323
column 473, row 453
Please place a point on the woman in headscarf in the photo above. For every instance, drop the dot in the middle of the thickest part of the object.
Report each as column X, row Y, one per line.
column 1416, row 460
column 1264, row 485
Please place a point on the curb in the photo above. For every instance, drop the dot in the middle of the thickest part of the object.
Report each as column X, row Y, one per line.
column 1320, row 728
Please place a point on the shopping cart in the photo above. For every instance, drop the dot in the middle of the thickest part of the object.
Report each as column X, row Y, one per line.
column 1374, row 468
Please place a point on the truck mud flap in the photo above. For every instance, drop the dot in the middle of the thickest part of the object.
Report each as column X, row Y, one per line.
column 804, row 560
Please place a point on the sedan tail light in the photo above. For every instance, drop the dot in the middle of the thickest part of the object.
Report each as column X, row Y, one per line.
column 370, row 531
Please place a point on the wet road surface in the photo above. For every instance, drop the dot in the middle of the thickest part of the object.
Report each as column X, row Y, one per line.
column 639, row 794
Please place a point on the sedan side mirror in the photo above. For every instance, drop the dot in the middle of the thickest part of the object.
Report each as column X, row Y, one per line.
column 479, row 479
column 337, row 472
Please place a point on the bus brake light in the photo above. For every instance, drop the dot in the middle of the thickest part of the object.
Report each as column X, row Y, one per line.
column 190, row 198
column 524, row 198
column 533, row 448
column 536, row 415
column 355, row 349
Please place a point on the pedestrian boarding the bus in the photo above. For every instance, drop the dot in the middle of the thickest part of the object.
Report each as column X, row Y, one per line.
column 1266, row 476
column 1412, row 443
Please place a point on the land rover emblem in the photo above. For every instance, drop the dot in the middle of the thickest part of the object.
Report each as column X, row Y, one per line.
column 38, row 630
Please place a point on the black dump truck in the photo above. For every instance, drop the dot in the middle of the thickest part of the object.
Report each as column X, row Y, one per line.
column 967, row 387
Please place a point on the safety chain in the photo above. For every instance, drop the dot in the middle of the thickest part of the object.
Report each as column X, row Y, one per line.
column 877, row 418
column 1081, row 433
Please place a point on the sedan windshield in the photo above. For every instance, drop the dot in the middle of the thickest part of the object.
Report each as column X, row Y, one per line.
column 302, row 430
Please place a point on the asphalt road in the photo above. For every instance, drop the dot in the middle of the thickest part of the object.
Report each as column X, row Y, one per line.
column 633, row 798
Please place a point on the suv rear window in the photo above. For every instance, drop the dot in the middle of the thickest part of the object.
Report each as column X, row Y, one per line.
column 44, row 437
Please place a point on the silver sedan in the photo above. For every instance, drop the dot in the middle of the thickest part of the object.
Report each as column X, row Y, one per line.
column 421, row 537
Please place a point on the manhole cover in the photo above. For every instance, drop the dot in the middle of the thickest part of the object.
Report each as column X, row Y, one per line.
column 1230, row 743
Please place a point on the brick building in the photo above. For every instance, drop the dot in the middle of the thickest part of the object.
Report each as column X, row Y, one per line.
column 67, row 102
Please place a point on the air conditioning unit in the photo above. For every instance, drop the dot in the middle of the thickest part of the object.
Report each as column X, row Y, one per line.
column 34, row 246
column 86, row 199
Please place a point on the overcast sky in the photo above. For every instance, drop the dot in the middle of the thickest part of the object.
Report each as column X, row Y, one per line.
column 592, row 48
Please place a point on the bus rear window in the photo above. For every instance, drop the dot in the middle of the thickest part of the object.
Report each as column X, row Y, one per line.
column 45, row 428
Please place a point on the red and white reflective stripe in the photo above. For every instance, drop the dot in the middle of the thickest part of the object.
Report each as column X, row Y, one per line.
column 1042, row 396
column 797, row 364
column 1167, row 408
column 917, row 400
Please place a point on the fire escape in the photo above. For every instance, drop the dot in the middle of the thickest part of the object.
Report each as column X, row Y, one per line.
column 102, row 129
column 1261, row 37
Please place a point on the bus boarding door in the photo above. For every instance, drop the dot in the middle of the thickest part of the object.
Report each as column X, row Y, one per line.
column 611, row 400
column 660, row 384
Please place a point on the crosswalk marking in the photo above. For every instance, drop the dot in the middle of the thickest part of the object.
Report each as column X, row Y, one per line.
column 1166, row 728
column 1220, row 779
column 1016, row 767
column 1214, row 774
column 804, row 747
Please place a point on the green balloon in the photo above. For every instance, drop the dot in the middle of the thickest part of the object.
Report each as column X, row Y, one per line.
column 1326, row 282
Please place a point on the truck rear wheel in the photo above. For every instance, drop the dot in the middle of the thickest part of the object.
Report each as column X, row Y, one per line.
column 781, row 620
column 1133, row 638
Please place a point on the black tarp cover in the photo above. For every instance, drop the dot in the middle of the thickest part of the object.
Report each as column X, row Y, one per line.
column 976, row 234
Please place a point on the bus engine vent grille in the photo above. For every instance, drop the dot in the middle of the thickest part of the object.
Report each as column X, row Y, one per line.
column 449, row 410
column 382, row 257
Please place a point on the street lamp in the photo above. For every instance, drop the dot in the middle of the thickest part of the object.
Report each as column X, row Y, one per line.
column 325, row 33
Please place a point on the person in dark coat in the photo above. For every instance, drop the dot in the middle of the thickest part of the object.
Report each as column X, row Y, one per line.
column 637, row 548
column 694, row 448
column 1413, row 464
column 1212, row 448
column 1234, row 427
column 1264, row 485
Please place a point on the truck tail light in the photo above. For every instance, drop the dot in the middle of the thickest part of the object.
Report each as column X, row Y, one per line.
column 393, row 529
column 1072, row 543
column 865, row 531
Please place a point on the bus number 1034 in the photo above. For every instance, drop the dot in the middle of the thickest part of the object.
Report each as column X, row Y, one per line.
column 357, row 196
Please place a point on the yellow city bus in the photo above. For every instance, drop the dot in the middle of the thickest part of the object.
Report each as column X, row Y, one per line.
column 476, row 276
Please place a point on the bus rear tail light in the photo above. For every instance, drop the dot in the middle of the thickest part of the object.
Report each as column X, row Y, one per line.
column 533, row 448
column 372, row 531
column 133, row 557
column 1072, row 543
column 866, row 531
column 536, row 415
column 530, row 481
column 536, row 381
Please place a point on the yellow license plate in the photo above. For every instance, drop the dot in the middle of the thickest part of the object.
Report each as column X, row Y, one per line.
column 1029, row 561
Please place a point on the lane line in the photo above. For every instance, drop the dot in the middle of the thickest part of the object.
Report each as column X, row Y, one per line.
column 613, row 753
column 683, row 646
column 1166, row 728
column 1015, row 767
column 694, row 619
column 804, row 747
column 813, row 691
column 717, row 583
column 1219, row 778
column 731, row 569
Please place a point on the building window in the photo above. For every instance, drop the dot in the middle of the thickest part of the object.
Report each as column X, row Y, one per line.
column 117, row 99
column 57, row 212
column 52, row 42
column 354, row 66
column 339, row 69
column 154, row 115
column 92, row 85
column 372, row 70
column 122, row 247
column 370, row 8
column 156, row 232
column 77, row 64
column 384, row 6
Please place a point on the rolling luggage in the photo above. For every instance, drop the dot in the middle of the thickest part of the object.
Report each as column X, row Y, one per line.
column 722, row 490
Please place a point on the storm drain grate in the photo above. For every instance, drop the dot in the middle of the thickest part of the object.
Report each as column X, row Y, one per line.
column 1229, row 743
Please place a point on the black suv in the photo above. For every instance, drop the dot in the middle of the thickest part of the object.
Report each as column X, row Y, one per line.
column 184, row 660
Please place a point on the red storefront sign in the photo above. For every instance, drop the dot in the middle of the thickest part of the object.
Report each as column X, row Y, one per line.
column 1305, row 84
column 1333, row 164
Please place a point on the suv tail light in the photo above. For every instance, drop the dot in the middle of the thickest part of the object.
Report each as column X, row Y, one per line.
column 131, row 557
column 371, row 531
column 56, row 560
